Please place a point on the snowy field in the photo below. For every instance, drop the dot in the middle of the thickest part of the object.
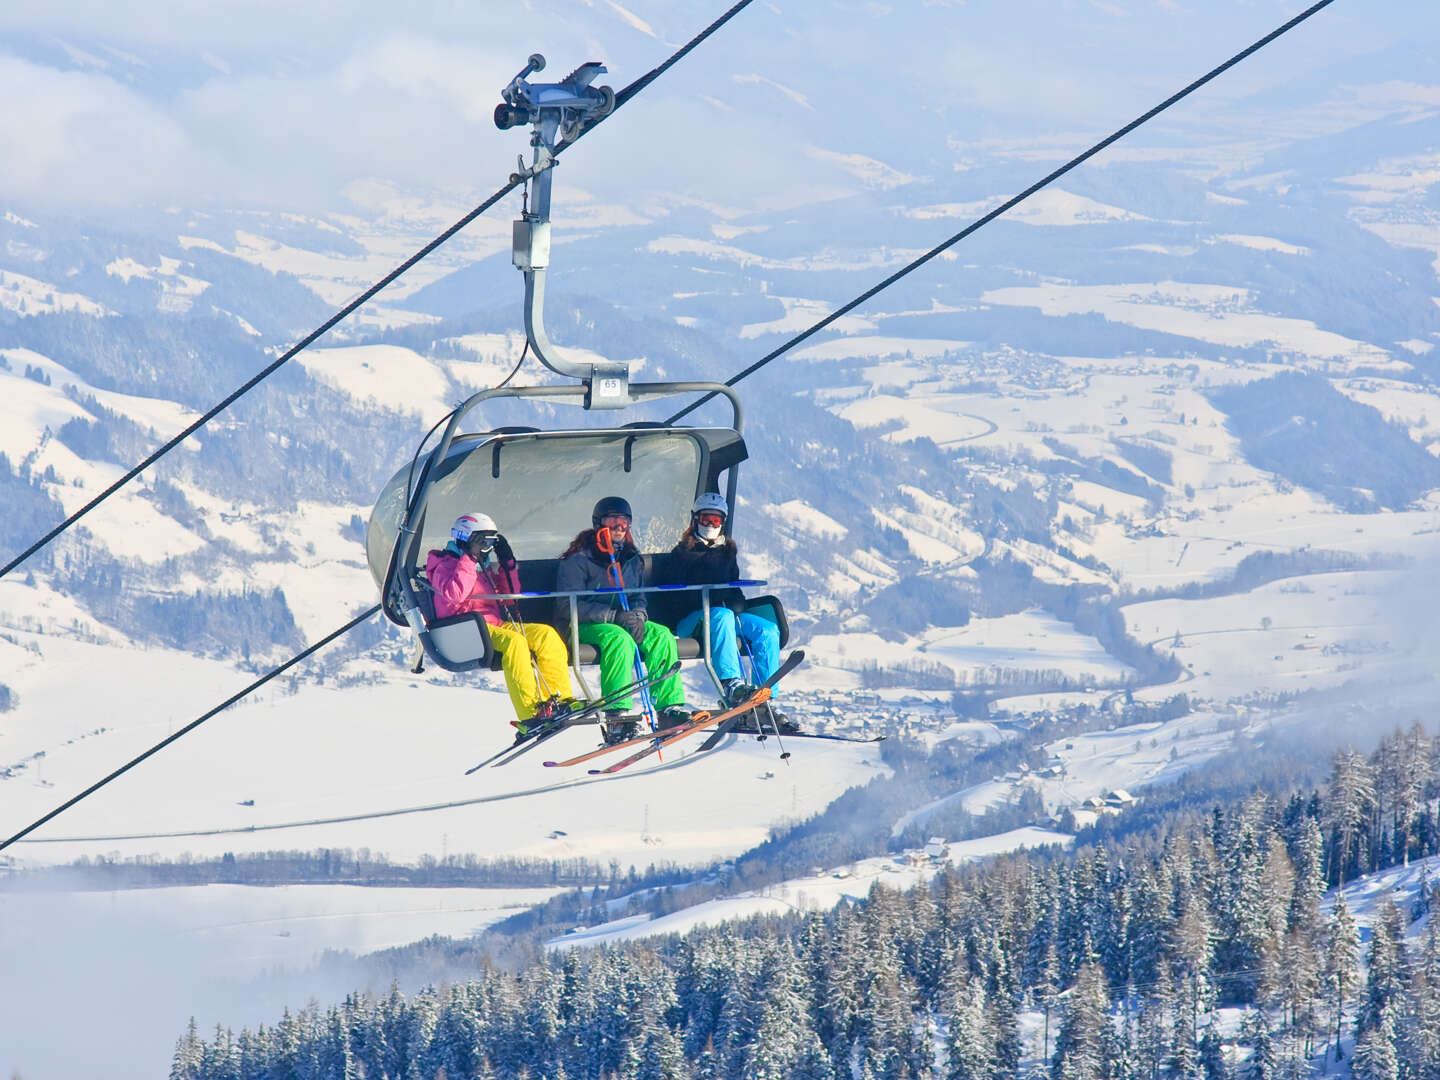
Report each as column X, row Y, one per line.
column 1297, row 634
column 380, row 767
column 1402, row 884
column 815, row 892
column 137, row 964
column 1026, row 641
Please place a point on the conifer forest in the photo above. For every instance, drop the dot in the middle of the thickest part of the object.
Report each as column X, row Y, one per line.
column 1205, row 945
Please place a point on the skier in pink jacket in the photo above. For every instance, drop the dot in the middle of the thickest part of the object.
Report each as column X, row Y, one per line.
column 466, row 575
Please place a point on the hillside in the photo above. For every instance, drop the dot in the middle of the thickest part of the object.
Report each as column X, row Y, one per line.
column 1138, row 478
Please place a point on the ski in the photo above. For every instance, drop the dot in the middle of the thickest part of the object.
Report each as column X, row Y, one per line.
column 649, row 736
column 586, row 715
column 762, row 735
column 662, row 739
column 730, row 725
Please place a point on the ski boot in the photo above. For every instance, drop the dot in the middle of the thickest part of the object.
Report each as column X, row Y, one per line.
column 618, row 726
column 783, row 724
column 673, row 716
column 735, row 691
column 549, row 714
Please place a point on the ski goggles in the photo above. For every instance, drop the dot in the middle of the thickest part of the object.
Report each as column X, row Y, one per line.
column 710, row 517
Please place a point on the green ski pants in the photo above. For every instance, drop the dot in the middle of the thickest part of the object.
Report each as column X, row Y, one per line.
column 617, row 660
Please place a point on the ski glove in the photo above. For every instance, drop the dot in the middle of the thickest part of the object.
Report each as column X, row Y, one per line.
column 633, row 622
column 503, row 552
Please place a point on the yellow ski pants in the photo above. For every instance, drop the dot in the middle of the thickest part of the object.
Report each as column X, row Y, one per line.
column 516, row 649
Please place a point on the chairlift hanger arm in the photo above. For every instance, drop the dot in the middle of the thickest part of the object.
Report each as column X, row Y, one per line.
column 558, row 113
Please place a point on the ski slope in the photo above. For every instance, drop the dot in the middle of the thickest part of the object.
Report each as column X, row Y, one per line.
column 379, row 766
column 817, row 891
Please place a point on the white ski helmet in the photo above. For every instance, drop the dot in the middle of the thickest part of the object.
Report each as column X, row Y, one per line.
column 466, row 524
column 713, row 501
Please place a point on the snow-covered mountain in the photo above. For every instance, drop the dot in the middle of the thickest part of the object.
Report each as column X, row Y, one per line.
column 1169, row 426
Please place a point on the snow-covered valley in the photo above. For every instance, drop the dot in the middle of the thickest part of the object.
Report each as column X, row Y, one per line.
column 1142, row 476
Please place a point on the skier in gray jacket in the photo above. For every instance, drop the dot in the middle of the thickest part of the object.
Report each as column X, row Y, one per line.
column 618, row 629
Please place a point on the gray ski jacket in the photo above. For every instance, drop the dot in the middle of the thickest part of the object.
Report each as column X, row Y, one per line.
column 589, row 568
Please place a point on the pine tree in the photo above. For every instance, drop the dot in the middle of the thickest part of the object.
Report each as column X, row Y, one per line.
column 1348, row 800
column 1385, row 965
column 1079, row 1046
column 1418, row 1037
column 1194, row 947
column 970, row 1050
column 784, row 1043
column 1300, row 965
column 221, row 1058
column 1341, row 970
column 890, row 1041
column 1255, row 1030
column 1212, row 1055
column 839, row 992
column 1155, row 1037
column 1002, row 1022
column 1308, row 853
column 188, row 1062
column 1375, row 1056
column 662, row 1056
column 1047, row 991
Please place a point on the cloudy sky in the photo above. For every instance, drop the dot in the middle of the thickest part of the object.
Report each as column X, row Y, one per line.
column 236, row 102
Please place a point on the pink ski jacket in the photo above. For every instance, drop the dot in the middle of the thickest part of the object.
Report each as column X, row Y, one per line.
column 461, row 586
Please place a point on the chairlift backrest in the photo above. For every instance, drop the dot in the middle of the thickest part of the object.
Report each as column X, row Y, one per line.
column 540, row 488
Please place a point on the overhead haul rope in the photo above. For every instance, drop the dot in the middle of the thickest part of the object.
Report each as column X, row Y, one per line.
column 1009, row 204
column 309, row 339
column 259, row 682
column 629, row 92
column 326, row 640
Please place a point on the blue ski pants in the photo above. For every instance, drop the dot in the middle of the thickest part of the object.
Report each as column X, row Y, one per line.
column 727, row 630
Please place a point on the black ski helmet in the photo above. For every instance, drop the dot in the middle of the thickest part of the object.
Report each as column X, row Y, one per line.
column 611, row 504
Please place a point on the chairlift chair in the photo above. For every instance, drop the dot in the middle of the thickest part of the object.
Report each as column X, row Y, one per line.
column 540, row 485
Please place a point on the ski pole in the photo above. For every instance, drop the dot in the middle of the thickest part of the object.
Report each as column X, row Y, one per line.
column 775, row 724
column 606, row 543
column 511, row 611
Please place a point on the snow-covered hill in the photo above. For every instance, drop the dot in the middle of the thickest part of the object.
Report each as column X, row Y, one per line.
column 1170, row 423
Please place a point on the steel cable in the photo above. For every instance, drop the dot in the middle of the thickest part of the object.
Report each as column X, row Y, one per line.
column 309, row 339
column 1009, row 204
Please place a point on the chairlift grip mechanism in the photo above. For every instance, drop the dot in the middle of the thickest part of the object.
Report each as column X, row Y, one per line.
column 557, row 113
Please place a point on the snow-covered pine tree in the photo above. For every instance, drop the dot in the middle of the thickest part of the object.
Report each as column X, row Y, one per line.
column 1194, row 949
column 784, row 1043
column 1255, row 1031
column 1349, row 798
column 1385, row 966
column 1340, row 972
column 970, row 1051
column 1375, row 1055
column 1418, row 1037
column 188, row 1061
column 1154, row 1039
column 1308, row 856
column 1213, row 1065
column 1080, row 1044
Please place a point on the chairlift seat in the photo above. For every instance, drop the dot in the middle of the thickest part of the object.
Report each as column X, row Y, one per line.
column 462, row 642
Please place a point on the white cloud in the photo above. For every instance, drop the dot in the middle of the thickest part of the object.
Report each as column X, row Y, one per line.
column 84, row 137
